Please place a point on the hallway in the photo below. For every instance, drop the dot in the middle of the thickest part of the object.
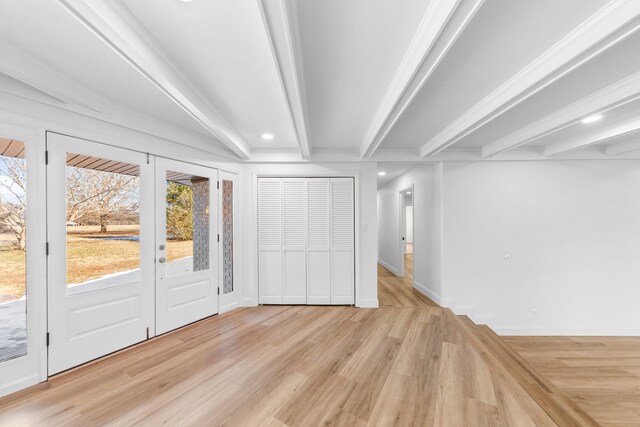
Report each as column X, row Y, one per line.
column 394, row 291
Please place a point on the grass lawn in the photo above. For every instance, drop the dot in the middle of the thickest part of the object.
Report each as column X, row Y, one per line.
column 87, row 257
column 12, row 274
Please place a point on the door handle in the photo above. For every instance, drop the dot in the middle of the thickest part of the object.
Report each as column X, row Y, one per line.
column 162, row 260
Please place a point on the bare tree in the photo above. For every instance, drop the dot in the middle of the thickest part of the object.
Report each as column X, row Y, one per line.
column 13, row 198
column 99, row 196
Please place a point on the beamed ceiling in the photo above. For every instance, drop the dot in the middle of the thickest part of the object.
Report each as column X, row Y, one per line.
column 340, row 80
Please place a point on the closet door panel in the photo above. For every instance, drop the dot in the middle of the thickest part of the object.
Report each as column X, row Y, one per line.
column 294, row 225
column 270, row 276
column 318, row 278
column 342, row 241
column 318, row 241
column 342, row 277
column 270, row 260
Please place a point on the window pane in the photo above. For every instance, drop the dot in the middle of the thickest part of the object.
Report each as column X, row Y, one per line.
column 13, row 204
column 227, row 236
column 103, row 223
column 187, row 223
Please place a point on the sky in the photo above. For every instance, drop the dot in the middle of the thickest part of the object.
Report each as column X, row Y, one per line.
column 7, row 183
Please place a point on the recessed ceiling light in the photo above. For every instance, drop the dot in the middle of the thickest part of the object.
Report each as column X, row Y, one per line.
column 382, row 173
column 267, row 136
column 592, row 119
column 408, row 192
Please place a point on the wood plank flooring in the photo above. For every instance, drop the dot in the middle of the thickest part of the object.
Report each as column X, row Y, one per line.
column 406, row 363
column 394, row 291
column 601, row 374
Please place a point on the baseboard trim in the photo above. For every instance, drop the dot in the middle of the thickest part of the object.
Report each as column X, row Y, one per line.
column 442, row 302
column 511, row 331
column 249, row 302
column 227, row 308
column 19, row 384
column 483, row 319
column 464, row 310
column 389, row 267
column 368, row 303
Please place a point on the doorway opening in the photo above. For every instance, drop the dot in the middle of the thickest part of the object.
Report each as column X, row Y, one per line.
column 406, row 233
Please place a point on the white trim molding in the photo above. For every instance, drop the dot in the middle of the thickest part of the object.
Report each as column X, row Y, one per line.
column 517, row 331
column 389, row 267
column 367, row 303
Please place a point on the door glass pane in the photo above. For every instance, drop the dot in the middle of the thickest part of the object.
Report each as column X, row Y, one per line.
column 227, row 236
column 187, row 223
column 13, row 204
column 103, row 223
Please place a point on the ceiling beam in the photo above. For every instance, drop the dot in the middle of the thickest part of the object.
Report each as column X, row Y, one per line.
column 69, row 95
column 602, row 30
column 441, row 25
column 114, row 24
column 613, row 96
column 279, row 19
column 616, row 131
column 624, row 147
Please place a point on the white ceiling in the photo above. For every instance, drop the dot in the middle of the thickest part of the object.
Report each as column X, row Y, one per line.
column 392, row 170
column 370, row 80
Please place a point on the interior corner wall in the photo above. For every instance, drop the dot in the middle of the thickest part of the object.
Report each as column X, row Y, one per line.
column 544, row 248
column 366, row 232
column 426, row 181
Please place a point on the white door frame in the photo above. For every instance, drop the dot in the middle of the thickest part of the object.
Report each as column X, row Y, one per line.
column 128, row 307
column 200, row 299
column 230, row 300
column 402, row 226
column 21, row 372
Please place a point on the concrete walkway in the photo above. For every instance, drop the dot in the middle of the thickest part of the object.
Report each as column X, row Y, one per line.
column 13, row 329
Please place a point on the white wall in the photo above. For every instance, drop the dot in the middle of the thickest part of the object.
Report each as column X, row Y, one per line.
column 572, row 231
column 426, row 230
column 366, row 220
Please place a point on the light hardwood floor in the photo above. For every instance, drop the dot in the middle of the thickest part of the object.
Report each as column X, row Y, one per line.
column 406, row 363
column 601, row 374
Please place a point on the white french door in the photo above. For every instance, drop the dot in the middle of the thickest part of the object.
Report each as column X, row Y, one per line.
column 101, row 235
column 22, row 266
column 133, row 248
column 186, row 243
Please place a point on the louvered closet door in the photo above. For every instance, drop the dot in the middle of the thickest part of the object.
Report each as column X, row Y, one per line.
column 270, row 240
column 318, row 241
column 294, row 283
column 342, row 241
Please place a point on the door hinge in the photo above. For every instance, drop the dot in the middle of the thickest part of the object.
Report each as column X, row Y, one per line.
column 47, row 248
column 218, row 291
column 147, row 158
column 218, row 237
column 147, row 332
column 46, row 157
column 47, row 339
column 218, row 185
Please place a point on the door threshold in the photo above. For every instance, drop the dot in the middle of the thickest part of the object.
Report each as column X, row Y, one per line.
column 126, row 349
